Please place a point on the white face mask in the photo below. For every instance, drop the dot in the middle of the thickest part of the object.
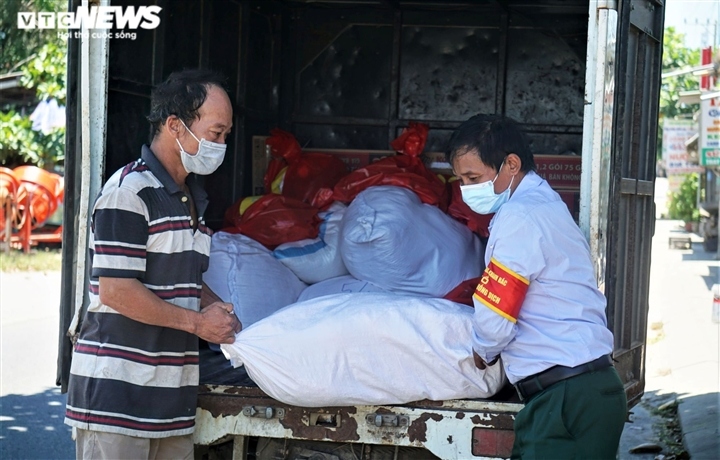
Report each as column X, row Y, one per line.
column 208, row 158
column 482, row 199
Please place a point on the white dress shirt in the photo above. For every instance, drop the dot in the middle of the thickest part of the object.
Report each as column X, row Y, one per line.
column 562, row 319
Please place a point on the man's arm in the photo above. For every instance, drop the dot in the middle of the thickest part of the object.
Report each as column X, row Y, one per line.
column 216, row 323
column 491, row 334
column 208, row 296
column 497, row 299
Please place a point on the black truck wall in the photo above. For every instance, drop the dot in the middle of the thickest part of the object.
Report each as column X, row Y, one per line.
column 353, row 74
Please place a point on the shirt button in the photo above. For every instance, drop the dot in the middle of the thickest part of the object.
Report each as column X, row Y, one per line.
column 184, row 199
column 192, row 222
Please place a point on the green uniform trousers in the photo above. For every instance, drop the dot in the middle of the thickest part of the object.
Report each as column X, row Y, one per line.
column 580, row 418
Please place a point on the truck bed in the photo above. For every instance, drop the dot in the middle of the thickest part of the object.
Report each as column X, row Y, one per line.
column 231, row 407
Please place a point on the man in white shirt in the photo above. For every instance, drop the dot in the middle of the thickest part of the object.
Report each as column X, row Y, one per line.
column 537, row 305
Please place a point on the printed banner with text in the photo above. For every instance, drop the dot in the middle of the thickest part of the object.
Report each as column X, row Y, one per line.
column 675, row 134
column 710, row 132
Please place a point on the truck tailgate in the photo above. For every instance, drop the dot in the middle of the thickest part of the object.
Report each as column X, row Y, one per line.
column 231, row 405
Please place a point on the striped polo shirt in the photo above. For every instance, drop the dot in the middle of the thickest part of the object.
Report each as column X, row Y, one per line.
column 128, row 377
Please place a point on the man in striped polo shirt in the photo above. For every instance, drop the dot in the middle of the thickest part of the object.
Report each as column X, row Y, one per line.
column 134, row 375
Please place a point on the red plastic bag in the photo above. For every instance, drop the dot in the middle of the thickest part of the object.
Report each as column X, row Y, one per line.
column 276, row 219
column 412, row 140
column 461, row 212
column 285, row 149
column 463, row 292
column 406, row 171
column 309, row 178
column 401, row 171
column 232, row 214
column 312, row 177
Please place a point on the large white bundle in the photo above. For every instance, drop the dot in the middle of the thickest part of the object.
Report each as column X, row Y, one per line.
column 244, row 273
column 390, row 238
column 316, row 259
column 339, row 285
column 366, row 348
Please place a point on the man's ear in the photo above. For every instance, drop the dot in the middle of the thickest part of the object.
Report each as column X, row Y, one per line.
column 173, row 126
column 514, row 163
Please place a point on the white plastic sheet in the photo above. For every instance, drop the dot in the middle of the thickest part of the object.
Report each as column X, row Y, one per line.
column 366, row 348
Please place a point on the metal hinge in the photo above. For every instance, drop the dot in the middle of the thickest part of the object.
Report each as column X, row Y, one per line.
column 388, row 420
column 267, row 412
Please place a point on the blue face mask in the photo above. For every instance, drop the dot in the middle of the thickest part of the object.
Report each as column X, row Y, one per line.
column 482, row 199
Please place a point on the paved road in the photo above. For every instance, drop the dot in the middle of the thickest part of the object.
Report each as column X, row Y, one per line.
column 31, row 407
column 684, row 342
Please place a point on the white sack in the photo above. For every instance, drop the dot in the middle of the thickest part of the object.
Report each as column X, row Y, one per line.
column 244, row 273
column 339, row 285
column 390, row 238
column 317, row 259
column 357, row 349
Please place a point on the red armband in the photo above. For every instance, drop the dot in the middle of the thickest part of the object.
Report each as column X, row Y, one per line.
column 502, row 290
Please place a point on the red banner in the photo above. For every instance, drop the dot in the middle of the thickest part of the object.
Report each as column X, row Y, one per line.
column 561, row 171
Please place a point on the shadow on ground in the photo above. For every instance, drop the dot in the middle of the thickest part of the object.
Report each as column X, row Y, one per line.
column 699, row 417
column 713, row 277
column 698, row 253
column 31, row 427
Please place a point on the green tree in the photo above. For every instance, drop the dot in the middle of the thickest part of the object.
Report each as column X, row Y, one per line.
column 43, row 67
column 19, row 143
column 676, row 56
column 45, row 71
column 16, row 45
column 683, row 203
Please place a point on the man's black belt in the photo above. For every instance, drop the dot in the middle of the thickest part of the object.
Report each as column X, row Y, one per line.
column 530, row 386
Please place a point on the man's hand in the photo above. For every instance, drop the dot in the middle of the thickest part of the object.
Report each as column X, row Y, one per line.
column 480, row 364
column 128, row 296
column 218, row 323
